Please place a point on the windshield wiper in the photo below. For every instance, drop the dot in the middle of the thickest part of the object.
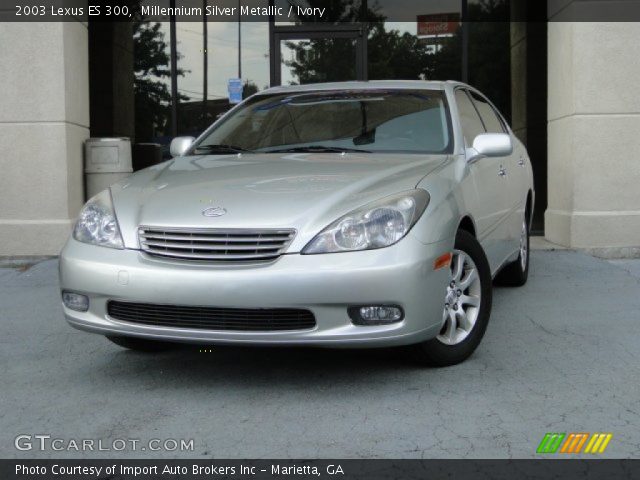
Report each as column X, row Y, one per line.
column 222, row 149
column 317, row 149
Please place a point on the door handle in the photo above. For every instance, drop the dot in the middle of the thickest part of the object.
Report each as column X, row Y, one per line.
column 502, row 172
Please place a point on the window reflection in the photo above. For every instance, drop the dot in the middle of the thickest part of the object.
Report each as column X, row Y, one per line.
column 396, row 51
column 152, row 81
column 429, row 47
column 320, row 60
column 203, row 92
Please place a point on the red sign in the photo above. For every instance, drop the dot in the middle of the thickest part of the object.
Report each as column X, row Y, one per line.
column 438, row 24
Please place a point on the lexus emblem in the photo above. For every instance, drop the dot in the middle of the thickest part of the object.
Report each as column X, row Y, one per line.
column 214, row 211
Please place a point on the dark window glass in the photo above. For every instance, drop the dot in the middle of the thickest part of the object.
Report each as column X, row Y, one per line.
column 374, row 121
column 492, row 123
column 471, row 124
column 489, row 50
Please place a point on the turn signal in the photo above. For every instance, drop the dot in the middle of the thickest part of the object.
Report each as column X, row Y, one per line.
column 443, row 261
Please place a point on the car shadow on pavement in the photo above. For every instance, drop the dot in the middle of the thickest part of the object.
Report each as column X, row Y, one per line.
column 188, row 365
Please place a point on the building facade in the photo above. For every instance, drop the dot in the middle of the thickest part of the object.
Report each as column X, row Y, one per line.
column 567, row 88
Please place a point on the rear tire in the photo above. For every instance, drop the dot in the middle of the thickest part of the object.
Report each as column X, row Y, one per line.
column 516, row 274
column 141, row 344
column 465, row 325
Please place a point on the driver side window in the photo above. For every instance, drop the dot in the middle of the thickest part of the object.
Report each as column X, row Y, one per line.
column 489, row 117
column 470, row 121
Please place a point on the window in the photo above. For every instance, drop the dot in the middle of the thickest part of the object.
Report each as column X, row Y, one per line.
column 370, row 120
column 492, row 123
column 471, row 123
column 203, row 74
column 152, row 81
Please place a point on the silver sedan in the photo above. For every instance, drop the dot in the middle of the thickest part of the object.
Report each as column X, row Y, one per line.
column 360, row 214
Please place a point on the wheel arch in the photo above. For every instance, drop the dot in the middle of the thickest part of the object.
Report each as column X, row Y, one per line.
column 467, row 224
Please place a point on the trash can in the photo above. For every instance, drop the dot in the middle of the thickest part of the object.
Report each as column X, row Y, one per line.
column 107, row 160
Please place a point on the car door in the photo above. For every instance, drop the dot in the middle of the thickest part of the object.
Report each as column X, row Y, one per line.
column 513, row 168
column 490, row 184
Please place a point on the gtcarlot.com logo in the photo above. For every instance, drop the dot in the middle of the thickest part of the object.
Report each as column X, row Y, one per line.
column 45, row 442
column 574, row 443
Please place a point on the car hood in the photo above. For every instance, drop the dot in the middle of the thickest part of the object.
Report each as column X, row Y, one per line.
column 303, row 191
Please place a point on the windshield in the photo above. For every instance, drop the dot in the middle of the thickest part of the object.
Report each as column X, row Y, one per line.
column 371, row 121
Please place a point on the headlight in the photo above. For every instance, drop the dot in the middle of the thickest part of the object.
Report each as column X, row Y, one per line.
column 376, row 225
column 97, row 223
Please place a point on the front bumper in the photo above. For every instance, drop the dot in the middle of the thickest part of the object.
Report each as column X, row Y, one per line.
column 325, row 284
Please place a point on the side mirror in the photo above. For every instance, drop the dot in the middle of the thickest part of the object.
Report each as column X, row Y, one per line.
column 490, row 145
column 180, row 145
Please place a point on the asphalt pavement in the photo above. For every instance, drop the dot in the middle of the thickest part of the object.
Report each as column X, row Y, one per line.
column 560, row 355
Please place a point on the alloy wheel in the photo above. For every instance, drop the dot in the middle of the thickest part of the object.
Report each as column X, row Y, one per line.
column 462, row 301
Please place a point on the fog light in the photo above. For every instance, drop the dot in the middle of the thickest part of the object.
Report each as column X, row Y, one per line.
column 376, row 314
column 75, row 301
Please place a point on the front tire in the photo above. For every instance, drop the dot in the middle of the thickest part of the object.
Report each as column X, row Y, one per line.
column 467, row 307
column 140, row 344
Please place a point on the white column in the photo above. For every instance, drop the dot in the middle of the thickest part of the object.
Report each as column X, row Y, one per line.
column 594, row 137
column 44, row 120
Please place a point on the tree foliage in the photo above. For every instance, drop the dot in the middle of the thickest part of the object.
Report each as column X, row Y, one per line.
column 152, row 80
column 249, row 88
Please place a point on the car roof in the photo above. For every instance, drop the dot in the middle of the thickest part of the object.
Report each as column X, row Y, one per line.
column 362, row 85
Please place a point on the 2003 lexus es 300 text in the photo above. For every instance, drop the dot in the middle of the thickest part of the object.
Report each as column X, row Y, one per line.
column 364, row 214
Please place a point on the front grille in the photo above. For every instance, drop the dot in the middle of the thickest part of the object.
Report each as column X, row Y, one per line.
column 215, row 244
column 209, row 318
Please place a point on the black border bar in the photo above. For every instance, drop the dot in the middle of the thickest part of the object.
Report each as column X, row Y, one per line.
column 321, row 469
column 286, row 11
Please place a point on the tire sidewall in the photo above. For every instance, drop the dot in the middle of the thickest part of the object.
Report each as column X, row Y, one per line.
column 525, row 273
column 435, row 352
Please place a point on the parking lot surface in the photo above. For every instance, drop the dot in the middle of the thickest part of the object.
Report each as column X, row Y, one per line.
column 561, row 354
